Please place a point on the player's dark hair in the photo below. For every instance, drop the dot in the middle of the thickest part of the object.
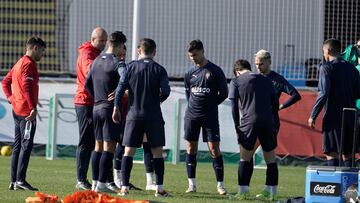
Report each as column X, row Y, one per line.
column 334, row 46
column 35, row 41
column 125, row 47
column 195, row 45
column 240, row 65
column 117, row 38
column 147, row 45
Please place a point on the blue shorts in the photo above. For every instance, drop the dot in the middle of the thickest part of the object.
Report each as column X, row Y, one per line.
column 135, row 130
column 248, row 134
column 104, row 127
column 209, row 126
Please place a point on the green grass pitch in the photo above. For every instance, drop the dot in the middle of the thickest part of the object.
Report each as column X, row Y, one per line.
column 59, row 177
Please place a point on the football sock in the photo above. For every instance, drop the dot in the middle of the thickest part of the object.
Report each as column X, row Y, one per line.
column 126, row 166
column 191, row 165
column 95, row 161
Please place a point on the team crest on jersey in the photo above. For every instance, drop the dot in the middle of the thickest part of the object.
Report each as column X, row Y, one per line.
column 207, row 75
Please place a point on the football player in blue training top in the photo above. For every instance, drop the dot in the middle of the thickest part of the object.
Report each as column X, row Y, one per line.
column 148, row 85
column 205, row 89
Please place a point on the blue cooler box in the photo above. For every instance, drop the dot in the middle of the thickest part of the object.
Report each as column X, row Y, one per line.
column 328, row 183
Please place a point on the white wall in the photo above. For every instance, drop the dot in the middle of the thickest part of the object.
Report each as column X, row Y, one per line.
column 230, row 29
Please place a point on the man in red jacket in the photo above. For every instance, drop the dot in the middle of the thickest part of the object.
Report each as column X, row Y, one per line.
column 21, row 89
column 88, row 51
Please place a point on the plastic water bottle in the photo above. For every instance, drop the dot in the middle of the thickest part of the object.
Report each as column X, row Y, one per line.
column 27, row 130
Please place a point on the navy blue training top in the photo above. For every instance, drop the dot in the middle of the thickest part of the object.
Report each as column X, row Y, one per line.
column 205, row 89
column 103, row 77
column 257, row 97
column 282, row 85
column 338, row 88
column 148, row 85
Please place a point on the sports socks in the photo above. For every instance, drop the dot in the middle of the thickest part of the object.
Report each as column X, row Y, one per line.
column 245, row 172
column 272, row 177
column 148, row 157
column 126, row 166
column 119, row 151
column 159, row 170
column 95, row 161
column 191, row 165
column 106, row 165
column 218, row 165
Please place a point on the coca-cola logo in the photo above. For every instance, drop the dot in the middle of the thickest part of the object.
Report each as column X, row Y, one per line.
column 325, row 189
column 329, row 189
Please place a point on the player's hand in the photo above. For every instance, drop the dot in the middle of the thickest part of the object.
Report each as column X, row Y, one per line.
column 237, row 129
column 126, row 94
column 311, row 123
column 32, row 115
column 111, row 96
column 116, row 116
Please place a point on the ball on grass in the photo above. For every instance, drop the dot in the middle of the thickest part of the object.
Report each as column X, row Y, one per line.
column 6, row 151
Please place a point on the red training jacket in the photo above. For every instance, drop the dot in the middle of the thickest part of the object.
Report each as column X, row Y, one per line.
column 21, row 86
column 87, row 54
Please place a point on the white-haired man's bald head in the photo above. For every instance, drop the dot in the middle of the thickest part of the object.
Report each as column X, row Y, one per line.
column 99, row 38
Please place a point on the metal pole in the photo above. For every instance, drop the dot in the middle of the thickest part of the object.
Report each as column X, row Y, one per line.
column 138, row 28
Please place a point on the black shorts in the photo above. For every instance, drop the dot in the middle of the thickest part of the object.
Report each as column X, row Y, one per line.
column 332, row 136
column 331, row 141
column 209, row 126
column 248, row 134
column 104, row 127
column 135, row 129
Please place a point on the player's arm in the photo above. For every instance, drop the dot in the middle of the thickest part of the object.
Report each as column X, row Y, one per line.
column 122, row 85
column 28, row 77
column 223, row 88
column 323, row 94
column 234, row 98
column 89, row 82
column 121, row 64
column 290, row 90
column 6, row 85
column 164, row 86
column 119, row 92
column 187, row 86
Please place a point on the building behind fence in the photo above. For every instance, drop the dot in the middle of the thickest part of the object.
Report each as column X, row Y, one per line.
column 292, row 30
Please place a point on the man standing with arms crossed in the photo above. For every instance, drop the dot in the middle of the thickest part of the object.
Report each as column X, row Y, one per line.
column 84, row 106
column 21, row 88
column 205, row 89
column 148, row 85
column 339, row 87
